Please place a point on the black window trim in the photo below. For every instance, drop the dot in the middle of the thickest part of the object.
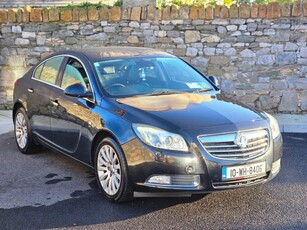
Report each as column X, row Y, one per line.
column 61, row 71
column 34, row 72
column 63, row 68
column 43, row 63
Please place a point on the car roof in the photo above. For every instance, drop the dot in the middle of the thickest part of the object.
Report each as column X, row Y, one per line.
column 101, row 53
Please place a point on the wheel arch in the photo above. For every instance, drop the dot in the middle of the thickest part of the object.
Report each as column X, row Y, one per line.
column 98, row 137
column 125, row 193
column 16, row 106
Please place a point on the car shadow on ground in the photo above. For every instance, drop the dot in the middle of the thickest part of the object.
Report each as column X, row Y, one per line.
column 88, row 208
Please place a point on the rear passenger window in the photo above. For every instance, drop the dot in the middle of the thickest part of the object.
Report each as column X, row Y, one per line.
column 51, row 69
column 38, row 71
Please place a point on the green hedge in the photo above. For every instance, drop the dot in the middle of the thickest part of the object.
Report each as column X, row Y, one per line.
column 163, row 3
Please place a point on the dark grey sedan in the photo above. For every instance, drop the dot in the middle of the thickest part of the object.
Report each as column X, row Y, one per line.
column 146, row 122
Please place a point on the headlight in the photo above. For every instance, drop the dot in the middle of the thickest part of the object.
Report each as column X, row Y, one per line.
column 274, row 126
column 160, row 138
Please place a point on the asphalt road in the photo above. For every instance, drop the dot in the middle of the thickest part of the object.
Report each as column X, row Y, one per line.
column 48, row 190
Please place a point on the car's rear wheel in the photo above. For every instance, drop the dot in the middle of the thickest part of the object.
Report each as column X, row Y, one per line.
column 22, row 131
column 111, row 171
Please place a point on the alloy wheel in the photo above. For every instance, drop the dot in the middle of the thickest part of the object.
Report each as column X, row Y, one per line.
column 109, row 170
column 21, row 130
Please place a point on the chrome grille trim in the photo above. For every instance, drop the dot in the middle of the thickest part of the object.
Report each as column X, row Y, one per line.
column 240, row 183
column 221, row 146
column 239, row 150
column 224, row 145
column 235, row 155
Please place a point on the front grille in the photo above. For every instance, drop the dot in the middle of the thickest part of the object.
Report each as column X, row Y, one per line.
column 244, row 144
column 239, row 183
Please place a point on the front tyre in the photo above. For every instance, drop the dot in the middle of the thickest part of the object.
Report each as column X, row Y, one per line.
column 111, row 171
column 22, row 131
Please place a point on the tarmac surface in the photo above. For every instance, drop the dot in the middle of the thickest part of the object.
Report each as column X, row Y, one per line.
column 6, row 123
column 49, row 190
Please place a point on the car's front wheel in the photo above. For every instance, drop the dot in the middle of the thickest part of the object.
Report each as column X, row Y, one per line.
column 23, row 136
column 112, row 171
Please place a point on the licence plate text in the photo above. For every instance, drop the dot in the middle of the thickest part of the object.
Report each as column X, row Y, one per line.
column 243, row 171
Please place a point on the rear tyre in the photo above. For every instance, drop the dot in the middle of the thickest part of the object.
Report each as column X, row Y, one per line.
column 112, row 171
column 22, row 130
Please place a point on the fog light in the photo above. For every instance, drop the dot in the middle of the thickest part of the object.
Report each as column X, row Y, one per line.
column 172, row 181
column 161, row 179
column 275, row 166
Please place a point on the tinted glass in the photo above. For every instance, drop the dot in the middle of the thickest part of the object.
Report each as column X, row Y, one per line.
column 139, row 76
column 38, row 71
column 51, row 69
column 74, row 73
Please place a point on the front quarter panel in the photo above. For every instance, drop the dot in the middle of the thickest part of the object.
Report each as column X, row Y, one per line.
column 105, row 118
column 278, row 148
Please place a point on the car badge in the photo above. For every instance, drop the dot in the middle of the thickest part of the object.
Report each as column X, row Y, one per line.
column 241, row 141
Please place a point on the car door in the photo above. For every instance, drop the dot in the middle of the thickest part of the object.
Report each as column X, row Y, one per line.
column 43, row 83
column 70, row 114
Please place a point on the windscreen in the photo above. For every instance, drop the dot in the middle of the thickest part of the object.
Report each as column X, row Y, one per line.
column 141, row 76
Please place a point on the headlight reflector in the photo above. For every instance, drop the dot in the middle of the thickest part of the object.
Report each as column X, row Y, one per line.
column 160, row 138
column 274, row 126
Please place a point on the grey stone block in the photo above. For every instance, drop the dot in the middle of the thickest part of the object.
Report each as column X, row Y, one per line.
column 28, row 34
column 221, row 30
column 232, row 27
column 16, row 29
column 266, row 60
column 247, row 53
column 277, row 48
column 291, row 46
column 62, row 34
column 109, row 29
column 280, row 84
column 87, row 30
column 230, row 52
column 237, row 21
column 289, row 102
column 48, row 27
column 191, row 52
column 246, row 39
column 219, row 21
column 286, row 58
column 22, row 41
column 209, row 51
column 303, row 52
column 199, row 61
column 99, row 37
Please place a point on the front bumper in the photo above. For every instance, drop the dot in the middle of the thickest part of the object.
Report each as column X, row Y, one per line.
column 145, row 162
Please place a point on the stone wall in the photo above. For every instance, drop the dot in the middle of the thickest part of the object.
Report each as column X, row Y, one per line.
column 259, row 53
column 40, row 3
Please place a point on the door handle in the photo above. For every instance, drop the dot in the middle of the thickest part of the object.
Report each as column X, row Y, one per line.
column 30, row 90
column 55, row 103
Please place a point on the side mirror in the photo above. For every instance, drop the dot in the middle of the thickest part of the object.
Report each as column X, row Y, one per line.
column 77, row 90
column 214, row 80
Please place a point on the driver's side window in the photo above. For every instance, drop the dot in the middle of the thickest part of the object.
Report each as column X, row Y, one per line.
column 75, row 73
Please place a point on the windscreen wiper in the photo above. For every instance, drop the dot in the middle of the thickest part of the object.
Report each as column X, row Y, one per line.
column 202, row 90
column 166, row 92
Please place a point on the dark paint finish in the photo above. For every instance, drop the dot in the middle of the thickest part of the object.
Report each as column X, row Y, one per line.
column 77, row 90
column 72, row 124
column 201, row 113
